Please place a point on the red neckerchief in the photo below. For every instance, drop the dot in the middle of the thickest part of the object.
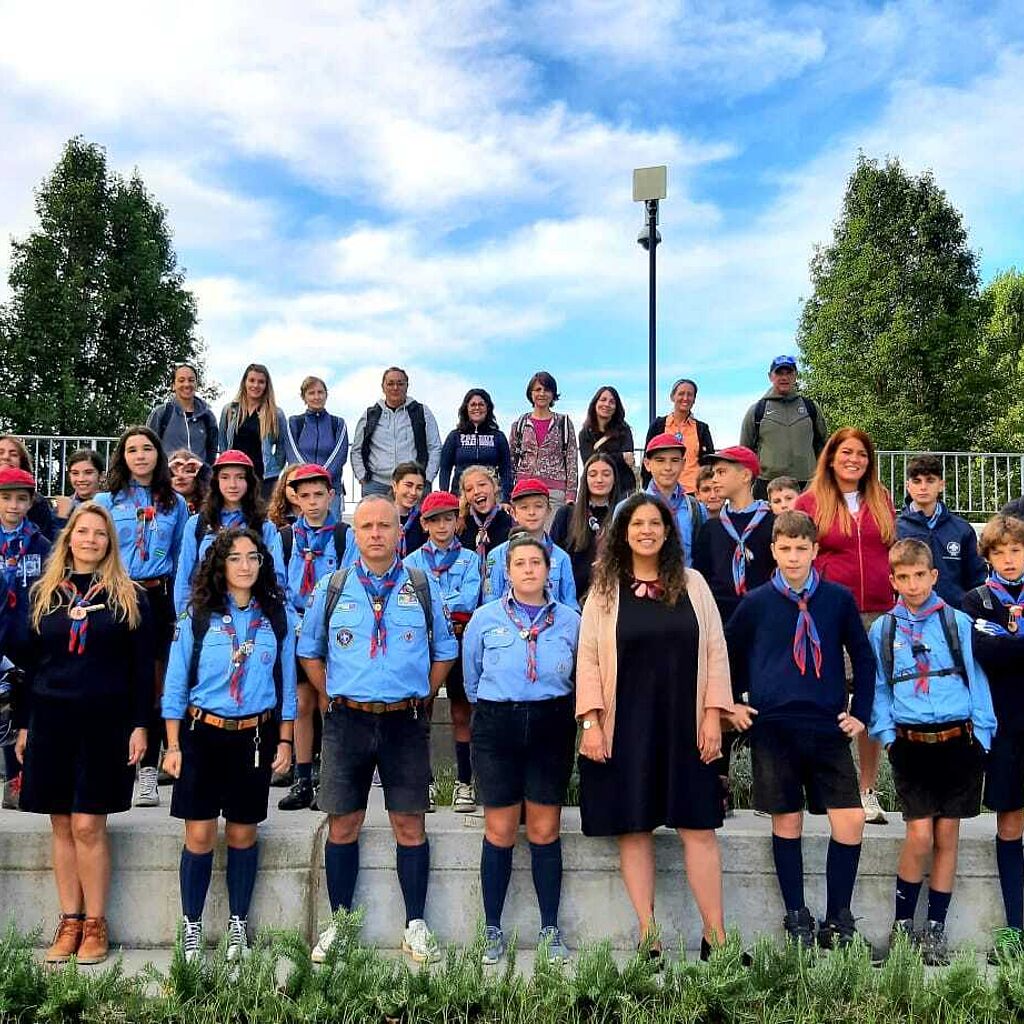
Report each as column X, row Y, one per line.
column 79, row 606
column 240, row 652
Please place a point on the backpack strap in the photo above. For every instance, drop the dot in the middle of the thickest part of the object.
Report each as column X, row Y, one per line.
column 334, row 588
column 279, row 623
column 200, row 529
column 952, row 636
column 984, row 595
column 165, row 419
column 949, row 627
column 372, row 420
column 340, row 539
column 422, row 590
column 200, row 627
column 418, row 422
column 888, row 642
column 760, row 408
column 287, row 543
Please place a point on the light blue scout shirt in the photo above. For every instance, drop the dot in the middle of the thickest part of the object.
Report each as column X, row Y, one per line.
column 212, row 689
column 191, row 553
column 460, row 584
column 947, row 699
column 402, row 669
column 494, row 655
column 323, row 565
column 163, row 532
column 680, row 507
column 561, row 582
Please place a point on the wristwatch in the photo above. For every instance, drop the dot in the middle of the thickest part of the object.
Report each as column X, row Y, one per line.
column 589, row 723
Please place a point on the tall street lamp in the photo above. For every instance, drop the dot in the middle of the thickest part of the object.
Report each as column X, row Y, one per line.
column 650, row 186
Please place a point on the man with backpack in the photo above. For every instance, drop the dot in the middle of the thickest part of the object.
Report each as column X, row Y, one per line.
column 377, row 644
column 786, row 429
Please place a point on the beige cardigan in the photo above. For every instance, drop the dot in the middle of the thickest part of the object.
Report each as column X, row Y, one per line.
column 597, row 662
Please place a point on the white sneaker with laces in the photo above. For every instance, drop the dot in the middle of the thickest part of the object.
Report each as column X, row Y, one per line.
column 323, row 944
column 463, row 798
column 873, row 813
column 191, row 938
column 147, row 793
column 238, row 938
column 419, row 942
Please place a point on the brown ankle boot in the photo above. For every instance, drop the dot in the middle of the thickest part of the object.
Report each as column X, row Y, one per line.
column 66, row 940
column 95, row 941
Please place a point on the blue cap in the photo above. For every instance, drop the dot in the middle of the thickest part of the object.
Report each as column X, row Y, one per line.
column 779, row 361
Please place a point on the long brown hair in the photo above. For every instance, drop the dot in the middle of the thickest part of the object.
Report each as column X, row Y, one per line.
column 121, row 592
column 279, row 508
column 268, row 405
column 828, row 498
column 614, row 565
column 119, row 476
column 579, row 535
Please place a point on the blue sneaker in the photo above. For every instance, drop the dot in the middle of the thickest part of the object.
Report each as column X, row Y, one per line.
column 558, row 951
column 494, row 945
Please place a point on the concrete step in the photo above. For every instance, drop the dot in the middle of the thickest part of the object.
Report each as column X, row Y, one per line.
column 291, row 891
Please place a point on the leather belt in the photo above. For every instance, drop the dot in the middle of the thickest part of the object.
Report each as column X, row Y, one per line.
column 229, row 724
column 376, row 707
column 954, row 732
column 154, row 582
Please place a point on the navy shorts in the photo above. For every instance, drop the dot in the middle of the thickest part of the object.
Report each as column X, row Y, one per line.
column 1004, row 772
column 219, row 775
column 791, row 761
column 937, row 780
column 523, row 750
column 396, row 743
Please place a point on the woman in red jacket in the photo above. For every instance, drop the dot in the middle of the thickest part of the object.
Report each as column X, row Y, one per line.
column 856, row 527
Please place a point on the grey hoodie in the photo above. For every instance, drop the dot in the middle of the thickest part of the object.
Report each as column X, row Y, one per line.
column 197, row 430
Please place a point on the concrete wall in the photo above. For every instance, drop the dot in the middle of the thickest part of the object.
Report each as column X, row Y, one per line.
column 291, row 892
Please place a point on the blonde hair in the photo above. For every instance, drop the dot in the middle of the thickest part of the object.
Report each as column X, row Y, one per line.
column 268, row 405
column 488, row 472
column 829, row 501
column 122, row 594
column 1000, row 530
column 280, row 504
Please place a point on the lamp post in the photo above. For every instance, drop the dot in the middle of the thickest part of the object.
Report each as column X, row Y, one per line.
column 650, row 186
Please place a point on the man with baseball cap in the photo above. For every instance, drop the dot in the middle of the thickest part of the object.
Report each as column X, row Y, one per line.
column 784, row 428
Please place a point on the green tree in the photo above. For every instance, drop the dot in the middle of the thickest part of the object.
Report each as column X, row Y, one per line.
column 890, row 334
column 99, row 311
column 1002, row 345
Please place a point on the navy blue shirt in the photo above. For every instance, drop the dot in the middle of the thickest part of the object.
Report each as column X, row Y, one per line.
column 476, row 448
column 33, row 550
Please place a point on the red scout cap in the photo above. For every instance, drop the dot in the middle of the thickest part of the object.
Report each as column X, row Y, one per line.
column 232, row 457
column 531, row 487
column 662, row 442
column 14, row 479
column 307, row 472
column 737, row 454
column 437, row 502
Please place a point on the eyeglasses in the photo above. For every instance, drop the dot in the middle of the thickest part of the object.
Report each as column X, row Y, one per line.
column 252, row 558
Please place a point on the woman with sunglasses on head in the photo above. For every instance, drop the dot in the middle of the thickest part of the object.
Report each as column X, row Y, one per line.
column 149, row 519
column 229, row 706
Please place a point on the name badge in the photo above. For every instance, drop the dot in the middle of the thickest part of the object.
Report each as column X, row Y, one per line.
column 347, row 606
column 407, row 600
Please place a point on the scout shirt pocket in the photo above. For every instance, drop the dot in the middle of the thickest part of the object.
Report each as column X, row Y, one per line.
column 405, row 615
column 350, row 619
column 556, row 652
column 497, row 644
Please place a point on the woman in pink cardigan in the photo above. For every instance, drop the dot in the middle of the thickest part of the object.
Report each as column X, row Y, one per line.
column 652, row 684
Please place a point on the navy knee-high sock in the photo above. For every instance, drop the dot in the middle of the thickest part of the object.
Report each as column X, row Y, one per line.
column 907, row 894
column 242, row 866
column 840, row 876
column 194, row 879
column 463, row 764
column 789, row 869
column 546, row 861
column 495, row 874
column 1010, row 862
column 938, row 905
column 413, row 864
column 342, row 863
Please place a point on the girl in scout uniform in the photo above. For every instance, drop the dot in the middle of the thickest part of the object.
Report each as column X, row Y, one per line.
column 149, row 518
column 483, row 523
column 82, row 717
column 458, row 576
column 234, row 500
column 229, row 706
column 518, row 660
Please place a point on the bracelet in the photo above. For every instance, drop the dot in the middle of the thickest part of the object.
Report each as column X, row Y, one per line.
column 172, row 750
column 291, row 743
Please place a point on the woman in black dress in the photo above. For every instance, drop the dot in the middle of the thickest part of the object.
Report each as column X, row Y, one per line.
column 653, row 673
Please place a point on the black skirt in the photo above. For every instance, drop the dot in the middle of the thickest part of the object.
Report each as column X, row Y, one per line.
column 76, row 760
column 655, row 775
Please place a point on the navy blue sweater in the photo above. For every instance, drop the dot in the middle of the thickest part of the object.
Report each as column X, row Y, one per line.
column 954, row 547
column 713, row 552
column 760, row 638
column 475, row 448
column 1002, row 657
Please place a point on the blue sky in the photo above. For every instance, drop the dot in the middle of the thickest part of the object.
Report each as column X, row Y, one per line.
column 447, row 186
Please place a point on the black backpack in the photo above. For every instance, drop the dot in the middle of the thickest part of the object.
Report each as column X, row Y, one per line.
column 817, row 442
column 201, row 626
column 417, row 420
column 419, row 585
column 288, row 541
column 948, row 619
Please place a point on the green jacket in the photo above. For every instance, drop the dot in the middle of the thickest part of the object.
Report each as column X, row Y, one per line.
column 787, row 440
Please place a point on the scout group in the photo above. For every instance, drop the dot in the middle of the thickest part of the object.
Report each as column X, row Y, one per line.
column 176, row 623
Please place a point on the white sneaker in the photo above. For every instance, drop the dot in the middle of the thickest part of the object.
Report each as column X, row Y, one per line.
column 432, row 799
column 376, row 777
column 463, row 798
column 419, row 942
column 873, row 813
column 238, row 938
column 147, row 793
column 323, row 944
column 191, row 938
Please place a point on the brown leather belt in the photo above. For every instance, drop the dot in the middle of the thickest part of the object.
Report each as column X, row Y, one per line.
column 229, row 724
column 155, row 583
column 939, row 736
column 376, row 707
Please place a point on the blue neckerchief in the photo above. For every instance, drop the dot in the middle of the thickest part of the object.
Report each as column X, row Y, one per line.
column 742, row 554
column 806, row 631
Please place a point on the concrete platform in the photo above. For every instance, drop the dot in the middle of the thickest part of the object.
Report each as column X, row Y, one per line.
column 291, row 890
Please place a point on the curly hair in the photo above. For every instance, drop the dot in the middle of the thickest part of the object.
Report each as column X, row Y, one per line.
column 281, row 506
column 614, row 565
column 119, row 476
column 253, row 509
column 210, row 586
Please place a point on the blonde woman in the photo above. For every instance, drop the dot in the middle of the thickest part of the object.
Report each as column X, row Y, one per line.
column 82, row 716
column 252, row 423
